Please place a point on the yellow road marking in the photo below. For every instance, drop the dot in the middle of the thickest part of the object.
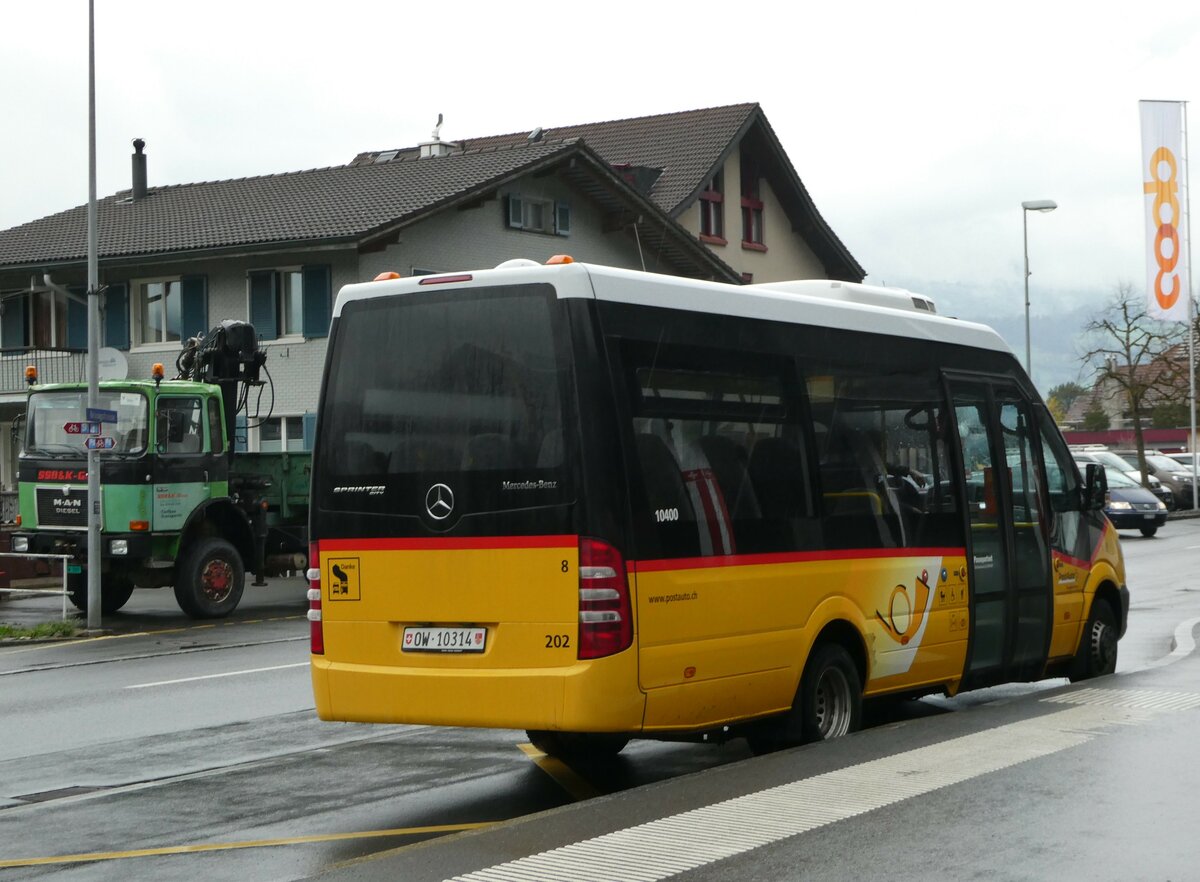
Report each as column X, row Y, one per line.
column 228, row 846
column 563, row 775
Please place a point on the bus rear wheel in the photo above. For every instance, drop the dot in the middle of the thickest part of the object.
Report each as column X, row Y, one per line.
column 210, row 579
column 578, row 745
column 828, row 704
column 830, row 697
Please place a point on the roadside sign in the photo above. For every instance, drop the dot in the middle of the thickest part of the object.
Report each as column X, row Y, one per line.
column 81, row 428
column 100, row 442
column 99, row 415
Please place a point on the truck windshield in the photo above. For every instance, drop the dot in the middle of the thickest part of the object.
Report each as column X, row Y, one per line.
column 463, row 388
column 49, row 413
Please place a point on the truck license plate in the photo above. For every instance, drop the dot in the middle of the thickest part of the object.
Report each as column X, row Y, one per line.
column 444, row 639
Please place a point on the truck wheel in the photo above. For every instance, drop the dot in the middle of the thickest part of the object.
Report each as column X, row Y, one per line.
column 114, row 592
column 209, row 580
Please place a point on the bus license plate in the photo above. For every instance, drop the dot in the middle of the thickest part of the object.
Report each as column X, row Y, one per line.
column 444, row 639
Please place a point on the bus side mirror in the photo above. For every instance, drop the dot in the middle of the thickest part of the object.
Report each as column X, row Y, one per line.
column 1095, row 488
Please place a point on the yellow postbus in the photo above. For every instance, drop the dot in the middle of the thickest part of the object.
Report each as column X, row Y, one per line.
column 597, row 504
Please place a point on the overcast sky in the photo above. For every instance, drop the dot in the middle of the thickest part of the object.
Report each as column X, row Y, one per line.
column 918, row 128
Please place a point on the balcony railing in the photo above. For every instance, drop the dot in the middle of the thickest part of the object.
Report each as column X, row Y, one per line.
column 53, row 366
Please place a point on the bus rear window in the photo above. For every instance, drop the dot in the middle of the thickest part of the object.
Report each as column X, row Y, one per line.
column 441, row 384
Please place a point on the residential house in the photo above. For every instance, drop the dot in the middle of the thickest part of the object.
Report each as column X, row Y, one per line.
column 705, row 194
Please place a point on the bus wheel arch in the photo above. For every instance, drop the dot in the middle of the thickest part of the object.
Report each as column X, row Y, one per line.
column 828, row 699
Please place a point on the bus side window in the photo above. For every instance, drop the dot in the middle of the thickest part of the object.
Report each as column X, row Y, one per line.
column 719, row 469
column 885, row 472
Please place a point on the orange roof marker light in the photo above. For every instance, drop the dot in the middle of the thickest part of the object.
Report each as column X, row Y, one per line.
column 390, row 274
column 156, row 372
column 31, row 375
column 560, row 258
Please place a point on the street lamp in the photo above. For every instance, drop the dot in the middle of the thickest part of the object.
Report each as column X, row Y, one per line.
column 1042, row 205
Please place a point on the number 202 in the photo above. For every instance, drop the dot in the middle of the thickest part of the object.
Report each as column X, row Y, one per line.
column 558, row 641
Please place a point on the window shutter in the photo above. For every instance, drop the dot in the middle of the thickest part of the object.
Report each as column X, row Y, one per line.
column 514, row 212
column 193, row 305
column 77, row 319
column 240, row 434
column 562, row 218
column 310, row 429
column 12, row 326
column 262, row 303
column 317, row 307
column 116, row 316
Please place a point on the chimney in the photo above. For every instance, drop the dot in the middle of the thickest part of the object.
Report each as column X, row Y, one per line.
column 436, row 146
column 139, row 170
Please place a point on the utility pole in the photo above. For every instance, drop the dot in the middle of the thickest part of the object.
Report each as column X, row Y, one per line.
column 93, row 366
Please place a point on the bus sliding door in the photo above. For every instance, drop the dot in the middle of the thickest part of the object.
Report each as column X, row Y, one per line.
column 1008, row 554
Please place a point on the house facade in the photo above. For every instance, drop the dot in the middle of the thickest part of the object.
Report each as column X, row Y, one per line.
column 274, row 250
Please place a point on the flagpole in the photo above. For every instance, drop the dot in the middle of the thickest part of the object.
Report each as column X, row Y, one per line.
column 1187, row 226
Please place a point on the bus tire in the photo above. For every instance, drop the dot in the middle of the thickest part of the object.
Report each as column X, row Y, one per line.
column 1097, row 653
column 578, row 745
column 829, row 701
column 114, row 592
column 209, row 579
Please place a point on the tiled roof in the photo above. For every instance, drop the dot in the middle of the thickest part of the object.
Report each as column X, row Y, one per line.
column 685, row 145
column 343, row 202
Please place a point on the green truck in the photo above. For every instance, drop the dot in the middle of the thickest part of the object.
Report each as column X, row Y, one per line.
column 180, row 506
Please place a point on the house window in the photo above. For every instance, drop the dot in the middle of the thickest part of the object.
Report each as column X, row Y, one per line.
column 280, row 434
column 290, row 301
column 538, row 215
column 157, row 310
column 48, row 319
column 752, row 208
column 712, row 219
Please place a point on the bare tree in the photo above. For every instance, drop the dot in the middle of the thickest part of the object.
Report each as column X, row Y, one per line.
column 1135, row 358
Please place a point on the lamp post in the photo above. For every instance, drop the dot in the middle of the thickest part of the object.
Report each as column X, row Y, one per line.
column 1042, row 205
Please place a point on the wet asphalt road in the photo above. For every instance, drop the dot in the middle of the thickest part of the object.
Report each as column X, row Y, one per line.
column 170, row 736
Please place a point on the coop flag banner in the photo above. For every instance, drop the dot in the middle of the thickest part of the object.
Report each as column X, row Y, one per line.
column 1163, row 184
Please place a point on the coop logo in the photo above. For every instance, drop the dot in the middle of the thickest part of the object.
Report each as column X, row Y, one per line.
column 1166, row 240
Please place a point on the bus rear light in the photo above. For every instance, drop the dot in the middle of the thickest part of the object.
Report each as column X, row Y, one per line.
column 316, row 630
column 605, row 610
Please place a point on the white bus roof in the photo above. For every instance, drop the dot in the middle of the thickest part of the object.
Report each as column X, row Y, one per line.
column 821, row 302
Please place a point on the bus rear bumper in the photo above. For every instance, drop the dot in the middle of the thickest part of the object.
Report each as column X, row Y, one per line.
column 599, row 696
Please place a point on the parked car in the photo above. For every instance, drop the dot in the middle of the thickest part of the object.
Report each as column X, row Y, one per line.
column 1186, row 459
column 1173, row 474
column 1130, row 506
column 1113, row 463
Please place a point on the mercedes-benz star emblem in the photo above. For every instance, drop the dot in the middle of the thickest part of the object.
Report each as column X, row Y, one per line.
column 439, row 502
